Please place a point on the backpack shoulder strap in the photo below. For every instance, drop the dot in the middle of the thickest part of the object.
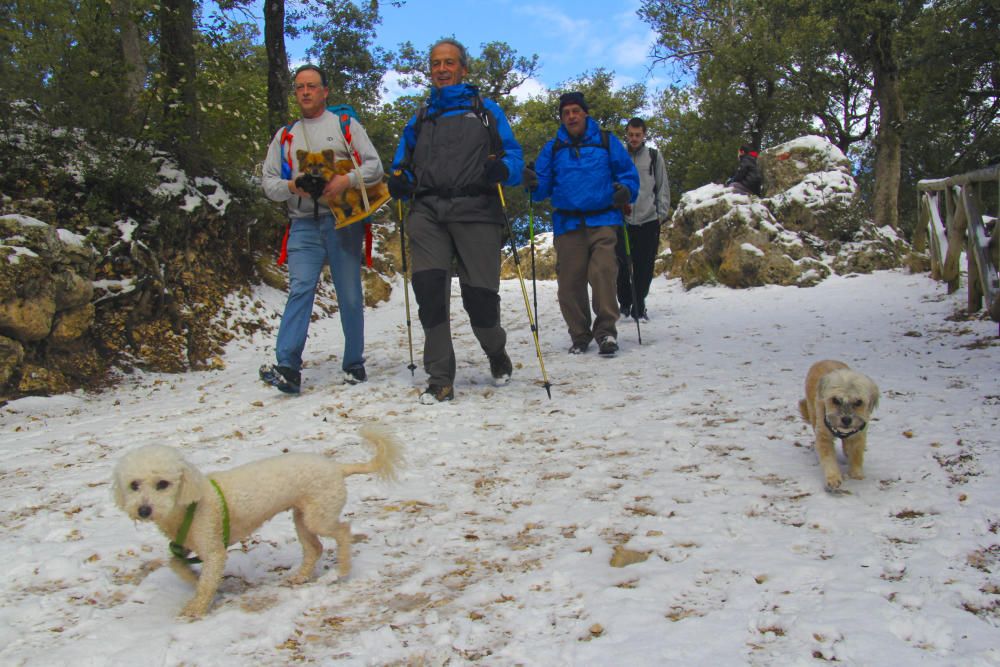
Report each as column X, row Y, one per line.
column 652, row 170
column 478, row 108
column 287, row 168
column 605, row 144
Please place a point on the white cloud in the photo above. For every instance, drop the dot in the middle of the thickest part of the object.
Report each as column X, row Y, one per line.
column 391, row 86
column 530, row 88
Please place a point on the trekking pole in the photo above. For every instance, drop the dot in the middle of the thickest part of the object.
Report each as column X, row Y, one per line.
column 524, row 292
column 531, row 234
column 406, row 285
column 631, row 279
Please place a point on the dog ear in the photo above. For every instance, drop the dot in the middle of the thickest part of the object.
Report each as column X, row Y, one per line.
column 329, row 156
column 822, row 387
column 118, row 487
column 873, row 395
column 301, row 155
column 192, row 484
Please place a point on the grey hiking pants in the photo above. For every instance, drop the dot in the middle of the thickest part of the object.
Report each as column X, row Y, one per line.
column 474, row 248
column 587, row 256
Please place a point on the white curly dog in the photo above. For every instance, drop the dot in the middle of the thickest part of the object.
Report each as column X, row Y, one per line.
column 205, row 513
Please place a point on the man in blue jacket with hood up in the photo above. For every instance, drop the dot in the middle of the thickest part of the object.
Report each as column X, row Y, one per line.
column 453, row 154
column 590, row 177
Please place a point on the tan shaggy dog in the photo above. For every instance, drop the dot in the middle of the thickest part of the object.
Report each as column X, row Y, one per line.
column 155, row 483
column 838, row 404
column 349, row 203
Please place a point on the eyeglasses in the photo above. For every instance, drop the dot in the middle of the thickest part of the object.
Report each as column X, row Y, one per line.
column 307, row 86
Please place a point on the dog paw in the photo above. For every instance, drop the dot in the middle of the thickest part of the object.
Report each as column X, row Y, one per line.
column 833, row 482
column 297, row 579
column 855, row 474
column 193, row 610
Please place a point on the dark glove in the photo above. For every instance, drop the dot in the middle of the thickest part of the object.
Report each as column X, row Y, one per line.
column 529, row 179
column 621, row 195
column 400, row 186
column 495, row 171
column 312, row 184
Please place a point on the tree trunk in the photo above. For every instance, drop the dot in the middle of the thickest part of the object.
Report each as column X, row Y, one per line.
column 888, row 141
column 180, row 121
column 278, row 81
column 122, row 10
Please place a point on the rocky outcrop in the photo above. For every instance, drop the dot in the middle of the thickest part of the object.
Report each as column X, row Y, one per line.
column 46, row 286
column 810, row 223
column 545, row 260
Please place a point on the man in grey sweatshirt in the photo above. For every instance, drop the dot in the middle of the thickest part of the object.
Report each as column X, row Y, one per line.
column 643, row 220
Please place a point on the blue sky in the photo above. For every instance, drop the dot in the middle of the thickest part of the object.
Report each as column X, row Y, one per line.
column 571, row 37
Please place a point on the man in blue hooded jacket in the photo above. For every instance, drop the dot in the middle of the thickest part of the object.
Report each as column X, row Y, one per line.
column 590, row 177
column 453, row 154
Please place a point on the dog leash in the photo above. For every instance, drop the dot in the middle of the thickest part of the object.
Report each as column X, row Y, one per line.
column 177, row 546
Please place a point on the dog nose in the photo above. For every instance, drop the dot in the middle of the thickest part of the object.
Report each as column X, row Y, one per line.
column 145, row 511
column 846, row 421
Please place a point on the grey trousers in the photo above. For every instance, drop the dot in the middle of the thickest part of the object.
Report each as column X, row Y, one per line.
column 473, row 248
column 587, row 256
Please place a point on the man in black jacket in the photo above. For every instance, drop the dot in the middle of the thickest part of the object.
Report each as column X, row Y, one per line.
column 747, row 178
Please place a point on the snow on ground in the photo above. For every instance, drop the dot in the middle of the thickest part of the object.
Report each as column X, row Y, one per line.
column 495, row 547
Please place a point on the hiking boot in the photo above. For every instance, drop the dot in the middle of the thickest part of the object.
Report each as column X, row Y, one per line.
column 355, row 375
column 625, row 312
column 645, row 315
column 282, row 378
column 608, row 346
column 437, row 393
column 579, row 348
column 501, row 368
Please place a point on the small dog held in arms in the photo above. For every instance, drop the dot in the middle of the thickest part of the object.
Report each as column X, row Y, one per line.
column 319, row 168
column 205, row 513
column 839, row 403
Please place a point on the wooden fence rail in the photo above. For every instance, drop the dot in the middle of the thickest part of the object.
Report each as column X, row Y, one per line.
column 962, row 227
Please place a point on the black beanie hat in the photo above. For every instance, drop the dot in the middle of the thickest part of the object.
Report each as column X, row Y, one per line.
column 572, row 98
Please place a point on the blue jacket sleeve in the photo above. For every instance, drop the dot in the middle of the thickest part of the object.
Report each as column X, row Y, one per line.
column 513, row 155
column 543, row 168
column 406, row 144
column 622, row 168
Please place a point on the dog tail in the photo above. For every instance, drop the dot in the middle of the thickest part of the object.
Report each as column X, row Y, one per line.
column 388, row 455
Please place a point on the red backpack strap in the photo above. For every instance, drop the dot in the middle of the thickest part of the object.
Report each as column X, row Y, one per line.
column 283, row 255
column 345, row 128
column 368, row 244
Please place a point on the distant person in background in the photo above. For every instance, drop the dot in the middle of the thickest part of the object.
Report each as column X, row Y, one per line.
column 644, row 217
column 746, row 180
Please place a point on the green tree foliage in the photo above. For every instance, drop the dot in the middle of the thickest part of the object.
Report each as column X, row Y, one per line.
column 951, row 93
column 232, row 99
column 65, row 57
column 498, row 71
column 953, row 110
column 344, row 35
column 178, row 93
column 735, row 51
